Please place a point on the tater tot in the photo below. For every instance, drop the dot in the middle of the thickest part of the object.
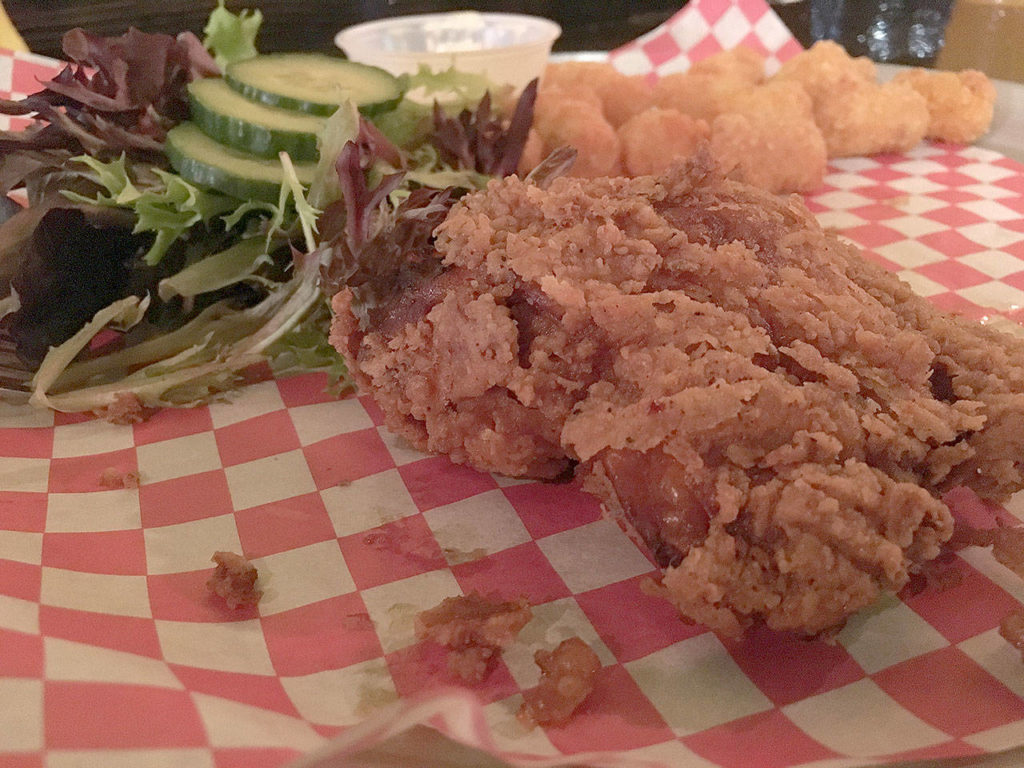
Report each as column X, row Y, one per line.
column 655, row 138
column 867, row 119
column 701, row 96
column 740, row 63
column 855, row 114
column 777, row 98
column 771, row 140
column 534, row 151
column 960, row 104
column 581, row 125
column 621, row 96
column 824, row 67
column 549, row 93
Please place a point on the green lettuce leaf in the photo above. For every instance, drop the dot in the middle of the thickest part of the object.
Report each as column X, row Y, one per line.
column 187, row 366
column 304, row 212
column 340, row 128
column 451, row 88
column 219, row 270
column 428, row 170
column 306, row 348
column 410, row 123
column 231, row 37
column 168, row 208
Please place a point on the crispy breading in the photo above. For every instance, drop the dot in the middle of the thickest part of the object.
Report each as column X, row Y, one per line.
column 656, row 138
column 621, row 96
column 960, row 104
column 856, row 114
column 770, row 138
column 739, row 63
column 775, row 416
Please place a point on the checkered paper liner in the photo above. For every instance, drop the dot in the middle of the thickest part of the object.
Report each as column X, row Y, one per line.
column 113, row 654
column 705, row 27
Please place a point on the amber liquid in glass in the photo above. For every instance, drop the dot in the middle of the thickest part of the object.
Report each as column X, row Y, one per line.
column 986, row 35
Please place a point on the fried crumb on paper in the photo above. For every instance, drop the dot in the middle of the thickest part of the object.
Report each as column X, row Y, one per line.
column 234, row 579
column 1008, row 547
column 474, row 629
column 566, row 679
column 1012, row 629
column 938, row 575
column 114, row 478
column 1007, row 543
column 126, row 410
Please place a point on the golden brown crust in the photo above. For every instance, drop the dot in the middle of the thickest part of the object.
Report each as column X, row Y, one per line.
column 960, row 104
column 774, row 415
column 234, row 580
column 474, row 629
column 567, row 677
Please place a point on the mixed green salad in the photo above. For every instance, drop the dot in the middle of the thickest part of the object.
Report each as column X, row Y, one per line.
column 186, row 207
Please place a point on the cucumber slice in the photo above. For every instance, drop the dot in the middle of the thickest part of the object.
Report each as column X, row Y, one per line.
column 228, row 117
column 203, row 161
column 314, row 83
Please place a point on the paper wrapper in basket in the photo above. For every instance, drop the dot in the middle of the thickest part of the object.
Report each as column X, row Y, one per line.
column 113, row 654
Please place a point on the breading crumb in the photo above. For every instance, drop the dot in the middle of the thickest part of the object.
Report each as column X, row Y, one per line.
column 126, row 410
column 1012, row 629
column 234, row 579
column 112, row 477
column 566, row 679
column 474, row 629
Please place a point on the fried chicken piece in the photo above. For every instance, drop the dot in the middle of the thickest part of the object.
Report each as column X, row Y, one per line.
column 474, row 629
column 856, row 115
column 769, row 136
column 566, row 679
column 774, row 415
column 655, row 138
column 621, row 96
column 960, row 104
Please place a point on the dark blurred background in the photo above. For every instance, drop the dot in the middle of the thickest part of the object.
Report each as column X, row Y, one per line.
column 312, row 24
column 897, row 31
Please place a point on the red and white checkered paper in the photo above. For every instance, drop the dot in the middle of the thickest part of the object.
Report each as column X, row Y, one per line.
column 113, row 654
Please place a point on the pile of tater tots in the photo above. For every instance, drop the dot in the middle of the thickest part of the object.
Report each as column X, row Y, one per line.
column 775, row 132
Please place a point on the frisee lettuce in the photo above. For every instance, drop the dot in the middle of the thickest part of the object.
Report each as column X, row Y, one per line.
column 231, row 37
column 411, row 122
column 184, row 367
column 235, row 264
column 340, row 128
column 169, row 209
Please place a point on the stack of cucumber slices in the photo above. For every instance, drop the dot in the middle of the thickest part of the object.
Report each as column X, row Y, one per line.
column 264, row 106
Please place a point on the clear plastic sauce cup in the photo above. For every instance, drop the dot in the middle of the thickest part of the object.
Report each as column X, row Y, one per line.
column 508, row 48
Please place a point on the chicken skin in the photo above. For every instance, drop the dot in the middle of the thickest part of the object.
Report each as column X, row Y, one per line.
column 774, row 416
